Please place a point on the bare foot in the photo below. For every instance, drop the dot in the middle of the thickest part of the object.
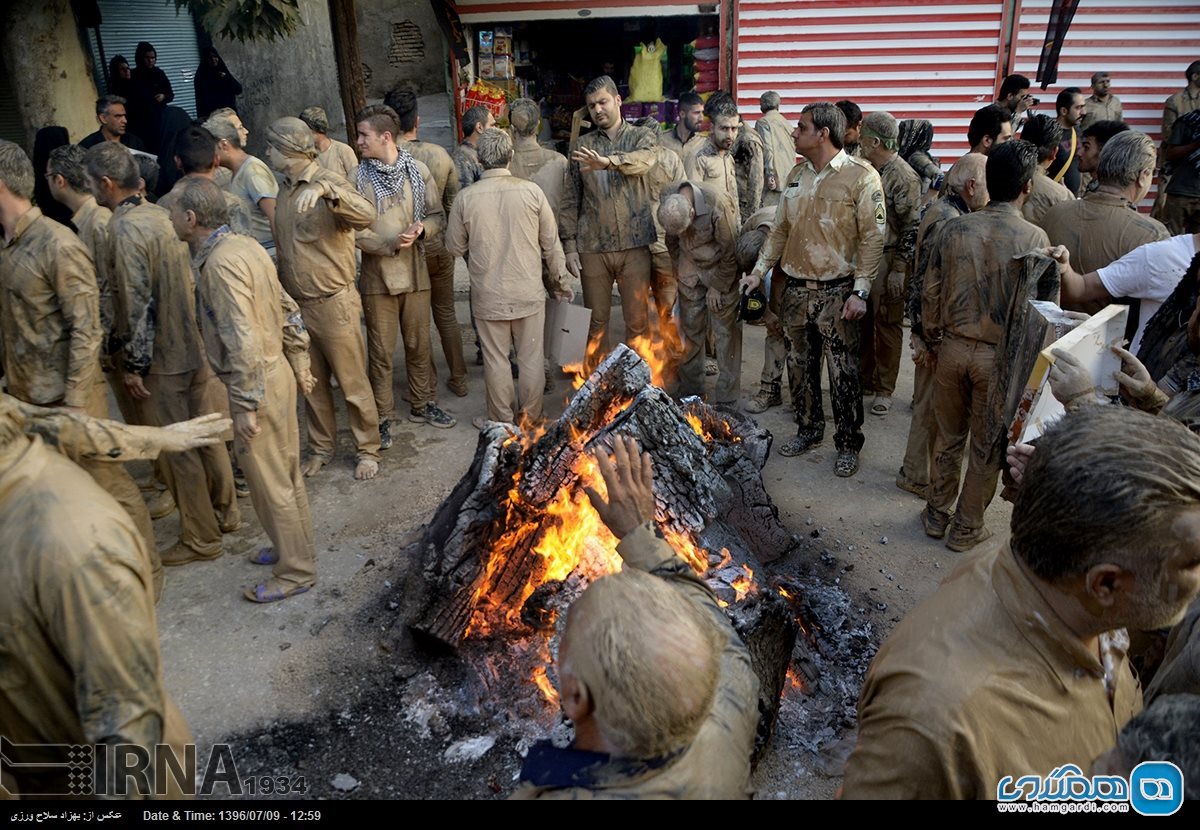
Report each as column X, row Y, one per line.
column 313, row 465
column 367, row 468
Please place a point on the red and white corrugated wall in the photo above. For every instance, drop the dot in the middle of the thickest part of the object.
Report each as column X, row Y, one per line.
column 936, row 60
column 1144, row 46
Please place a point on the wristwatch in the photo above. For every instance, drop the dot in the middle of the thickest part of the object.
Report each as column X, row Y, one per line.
column 861, row 293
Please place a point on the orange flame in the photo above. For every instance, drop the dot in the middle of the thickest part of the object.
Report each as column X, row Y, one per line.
column 795, row 682
column 783, row 593
column 545, row 686
column 743, row 584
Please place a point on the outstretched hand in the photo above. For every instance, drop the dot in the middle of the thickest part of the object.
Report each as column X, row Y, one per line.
column 205, row 431
column 629, row 478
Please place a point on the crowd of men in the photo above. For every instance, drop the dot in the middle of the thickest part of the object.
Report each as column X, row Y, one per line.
column 251, row 282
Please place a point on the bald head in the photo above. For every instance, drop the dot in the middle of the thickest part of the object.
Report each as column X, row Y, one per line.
column 968, row 179
column 648, row 659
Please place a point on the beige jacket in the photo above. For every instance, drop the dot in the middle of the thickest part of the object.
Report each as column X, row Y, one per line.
column 386, row 269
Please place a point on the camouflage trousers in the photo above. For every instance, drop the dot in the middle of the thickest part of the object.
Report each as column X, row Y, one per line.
column 812, row 321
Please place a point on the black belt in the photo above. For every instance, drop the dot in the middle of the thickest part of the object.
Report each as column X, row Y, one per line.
column 817, row 285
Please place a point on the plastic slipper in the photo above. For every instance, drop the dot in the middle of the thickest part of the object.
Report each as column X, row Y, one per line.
column 881, row 406
column 262, row 593
column 265, row 556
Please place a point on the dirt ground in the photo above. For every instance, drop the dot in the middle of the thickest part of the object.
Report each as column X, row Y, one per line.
column 326, row 687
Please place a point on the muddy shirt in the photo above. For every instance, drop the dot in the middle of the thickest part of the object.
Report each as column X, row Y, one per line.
column 928, row 233
column 441, row 167
column 386, row 269
column 1181, row 103
column 715, row 765
column 49, row 314
column 947, row 710
column 704, row 253
column 682, row 149
column 1099, row 229
column 1179, row 672
column 667, row 170
column 973, row 271
column 79, row 659
column 247, row 320
column 1096, row 110
column 779, row 150
column 711, row 166
column 91, row 223
column 829, row 225
column 545, row 168
column 608, row 210
column 505, row 227
column 902, row 196
column 154, row 296
column 1045, row 194
column 748, row 165
column 339, row 157
column 240, row 220
column 316, row 248
column 466, row 162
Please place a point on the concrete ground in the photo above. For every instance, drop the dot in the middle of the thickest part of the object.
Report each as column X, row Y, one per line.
column 237, row 669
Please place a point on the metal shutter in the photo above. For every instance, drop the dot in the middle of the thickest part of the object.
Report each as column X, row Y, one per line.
column 11, row 128
column 126, row 22
column 936, row 60
column 503, row 11
column 1145, row 45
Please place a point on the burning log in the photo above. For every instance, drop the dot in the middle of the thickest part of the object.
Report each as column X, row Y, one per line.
column 519, row 523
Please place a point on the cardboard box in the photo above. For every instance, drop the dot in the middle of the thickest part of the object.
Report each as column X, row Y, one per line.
column 566, row 332
column 1090, row 342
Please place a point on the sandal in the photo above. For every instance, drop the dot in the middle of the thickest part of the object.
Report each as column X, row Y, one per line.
column 881, row 406
column 263, row 592
column 265, row 556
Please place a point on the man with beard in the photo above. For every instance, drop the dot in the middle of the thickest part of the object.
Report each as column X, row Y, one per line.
column 713, row 162
column 1016, row 665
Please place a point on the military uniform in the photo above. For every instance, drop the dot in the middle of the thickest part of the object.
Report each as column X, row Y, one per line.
column 775, row 348
column 703, row 256
column 396, row 292
column 1096, row 110
column 779, row 150
column 79, row 659
column 441, row 264
column 883, row 325
column 605, row 218
column 984, row 680
column 918, row 453
column 965, row 299
column 1043, row 195
column 1182, row 213
column 827, row 240
column 505, row 228
column 682, row 149
column 1099, row 229
column 715, row 765
column 317, row 268
column 250, row 326
column 50, row 339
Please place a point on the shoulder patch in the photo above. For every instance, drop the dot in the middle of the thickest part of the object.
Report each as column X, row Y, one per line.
column 877, row 196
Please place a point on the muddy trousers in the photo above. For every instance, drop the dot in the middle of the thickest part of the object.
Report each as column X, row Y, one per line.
column 918, row 455
column 960, row 395
column 201, row 480
column 406, row 315
column 498, row 338
column 882, row 341
column 271, row 463
column 664, row 287
column 132, row 412
column 812, row 320
column 118, row 483
column 630, row 270
column 336, row 349
column 1182, row 214
column 441, row 300
column 695, row 321
column 775, row 347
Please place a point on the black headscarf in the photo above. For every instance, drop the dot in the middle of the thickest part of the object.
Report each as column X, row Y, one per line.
column 175, row 121
column 145, row 113
column 215, row 85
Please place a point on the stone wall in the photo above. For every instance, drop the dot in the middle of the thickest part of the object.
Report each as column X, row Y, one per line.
column 401, row 45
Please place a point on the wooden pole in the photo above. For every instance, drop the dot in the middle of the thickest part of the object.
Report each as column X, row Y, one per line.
column 344, row 24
